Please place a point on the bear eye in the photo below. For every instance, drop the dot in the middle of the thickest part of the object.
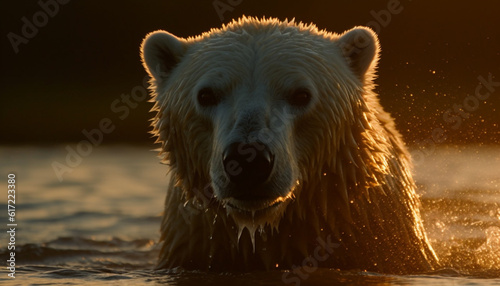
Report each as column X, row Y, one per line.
column 207, row 97
column 299, row 98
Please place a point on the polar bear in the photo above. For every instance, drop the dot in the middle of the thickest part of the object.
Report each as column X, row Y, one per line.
column 281, row 156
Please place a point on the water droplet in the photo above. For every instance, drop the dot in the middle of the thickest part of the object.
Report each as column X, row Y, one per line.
column 240, row 231
column 252, row 237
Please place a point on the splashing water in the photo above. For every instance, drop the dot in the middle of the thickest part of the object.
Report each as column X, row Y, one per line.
column 461, row 205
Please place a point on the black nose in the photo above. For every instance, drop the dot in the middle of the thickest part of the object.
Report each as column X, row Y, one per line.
column 248, row 165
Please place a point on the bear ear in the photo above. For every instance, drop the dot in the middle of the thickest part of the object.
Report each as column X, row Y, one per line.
column 160, row 52
column 360, row 47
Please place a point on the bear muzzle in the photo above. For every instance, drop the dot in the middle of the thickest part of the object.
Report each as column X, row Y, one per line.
column 252, row 191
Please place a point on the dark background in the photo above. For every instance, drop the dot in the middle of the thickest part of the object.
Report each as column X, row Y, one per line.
column 66, row 77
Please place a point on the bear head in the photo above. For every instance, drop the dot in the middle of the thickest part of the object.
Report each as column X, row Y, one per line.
column 248, row 114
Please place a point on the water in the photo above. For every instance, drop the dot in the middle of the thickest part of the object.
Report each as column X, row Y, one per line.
column 100, row 225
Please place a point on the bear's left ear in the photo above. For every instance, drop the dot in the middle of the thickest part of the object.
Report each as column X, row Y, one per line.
column 161, row 52
column 360, row 47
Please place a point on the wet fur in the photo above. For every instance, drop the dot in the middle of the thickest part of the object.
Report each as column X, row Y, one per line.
column 355, row 186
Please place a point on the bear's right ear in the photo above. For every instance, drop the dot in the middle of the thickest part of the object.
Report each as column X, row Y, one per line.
column 160, row 53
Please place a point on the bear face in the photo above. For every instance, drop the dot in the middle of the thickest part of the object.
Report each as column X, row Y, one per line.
column 272, row 128
column 254, row 100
